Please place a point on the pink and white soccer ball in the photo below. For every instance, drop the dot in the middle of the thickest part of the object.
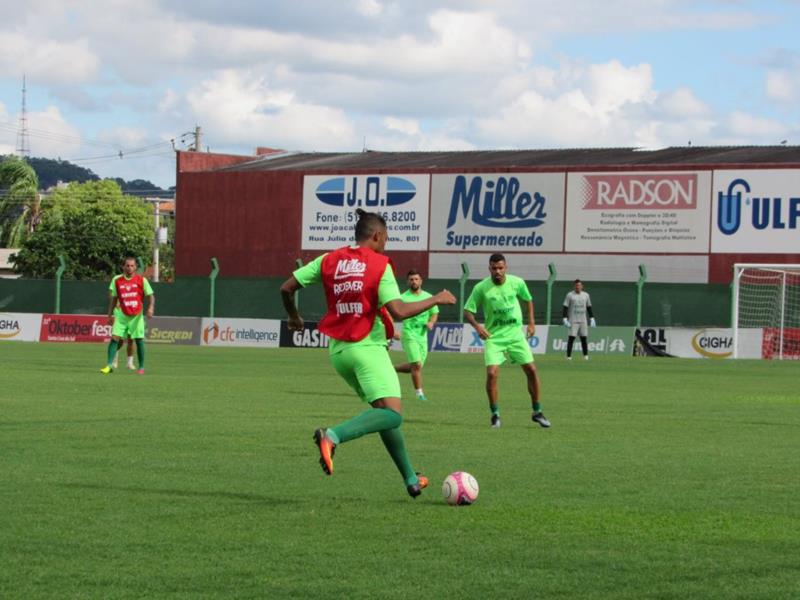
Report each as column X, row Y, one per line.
column 460, row 488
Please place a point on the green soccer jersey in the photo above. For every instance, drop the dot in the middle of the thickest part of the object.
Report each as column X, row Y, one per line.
column 500, row 304
column 417, row 326
column 387, row 291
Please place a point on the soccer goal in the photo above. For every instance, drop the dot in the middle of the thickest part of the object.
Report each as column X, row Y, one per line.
column 767, row 297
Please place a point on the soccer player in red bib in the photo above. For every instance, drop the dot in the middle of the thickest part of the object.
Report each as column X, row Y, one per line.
column 125, row 307
column 359, row 285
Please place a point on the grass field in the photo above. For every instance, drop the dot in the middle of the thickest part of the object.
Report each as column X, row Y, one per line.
column 660, row 478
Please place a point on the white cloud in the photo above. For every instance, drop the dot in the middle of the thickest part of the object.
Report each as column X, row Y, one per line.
column 783, row 85
column 404, row 126
column 48, row 61
column 369, row 8
column 241, row 108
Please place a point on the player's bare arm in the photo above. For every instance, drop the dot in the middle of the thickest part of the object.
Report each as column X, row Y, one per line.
column 112, row 304
column 432, row 322
column 151, row 306
column 531, row 323
column 482, row 331
column 288, row 289
column 400, row 310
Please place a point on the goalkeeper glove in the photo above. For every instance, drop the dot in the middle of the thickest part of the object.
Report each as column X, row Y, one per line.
column 566, row 322
column 592, row 322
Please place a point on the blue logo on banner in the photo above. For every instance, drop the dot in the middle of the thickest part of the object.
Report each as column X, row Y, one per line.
column 496, row 202
column 729, row 207
column 765, row 212
column 446, row 337
column 345, row 191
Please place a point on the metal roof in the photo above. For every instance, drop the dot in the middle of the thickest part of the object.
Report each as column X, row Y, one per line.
column 511, row 159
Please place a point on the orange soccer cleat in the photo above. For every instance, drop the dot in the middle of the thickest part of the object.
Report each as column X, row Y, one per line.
column 326, row 451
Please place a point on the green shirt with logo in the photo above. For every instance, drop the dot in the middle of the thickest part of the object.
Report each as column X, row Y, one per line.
column 500, row 304
column 417, row 326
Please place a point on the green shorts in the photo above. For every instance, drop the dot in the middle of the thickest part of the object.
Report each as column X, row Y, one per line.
column 416, row 348
column 517, row 350
column 125, row 326
column 369, row 371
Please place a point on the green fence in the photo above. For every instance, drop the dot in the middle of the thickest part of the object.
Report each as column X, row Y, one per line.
column 664, row 305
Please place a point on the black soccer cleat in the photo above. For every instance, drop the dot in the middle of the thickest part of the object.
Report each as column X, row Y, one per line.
column 495, row 421
column 416, row 489
column 539, row 418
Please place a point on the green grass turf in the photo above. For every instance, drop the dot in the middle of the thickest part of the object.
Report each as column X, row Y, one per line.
column 660, row 478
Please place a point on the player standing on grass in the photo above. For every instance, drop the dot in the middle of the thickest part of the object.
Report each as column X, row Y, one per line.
column 499, row 296
column 577, row 305
column 415, row 332
column 358, row 280
column 126, row 295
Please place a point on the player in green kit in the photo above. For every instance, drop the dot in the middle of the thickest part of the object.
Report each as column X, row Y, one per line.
column 359, row 284
column 415, row 332
column 126, row 313
column 499, row 296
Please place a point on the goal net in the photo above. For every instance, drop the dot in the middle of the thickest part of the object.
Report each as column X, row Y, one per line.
column 767, row 297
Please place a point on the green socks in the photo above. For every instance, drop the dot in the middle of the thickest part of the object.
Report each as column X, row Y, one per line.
column 396, row 446
column 495, row 408
column 370, row 421
column 113, row 346
column 140, row 352
column 386, row 422
column 537, row 407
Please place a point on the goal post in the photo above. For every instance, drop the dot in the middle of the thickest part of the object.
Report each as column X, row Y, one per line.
column 767, row 297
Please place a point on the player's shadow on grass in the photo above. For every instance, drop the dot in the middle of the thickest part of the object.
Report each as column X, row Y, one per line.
column 256, row 498
column 319, row 394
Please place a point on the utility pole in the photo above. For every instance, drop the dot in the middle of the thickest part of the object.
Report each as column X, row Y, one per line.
column 198, row 138
column 157, row 237
column 23, row 141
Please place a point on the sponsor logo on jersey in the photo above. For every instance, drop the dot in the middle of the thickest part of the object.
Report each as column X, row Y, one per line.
column 350, row 267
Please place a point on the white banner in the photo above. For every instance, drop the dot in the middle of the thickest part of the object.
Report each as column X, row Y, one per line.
column 496, row 212
column 330, row 203
column 472, row 342
column 638, row 212
column 716, row 343
column 261, row 333
column 756, row 211
column 20, row 327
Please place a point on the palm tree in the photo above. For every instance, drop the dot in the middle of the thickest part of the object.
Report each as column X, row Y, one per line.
column 20, row 202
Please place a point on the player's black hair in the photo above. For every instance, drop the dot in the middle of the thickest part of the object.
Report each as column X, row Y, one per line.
column 576, row 281
column 497, row 258
column 367, row 224
column 130, row 257
column 413, row 272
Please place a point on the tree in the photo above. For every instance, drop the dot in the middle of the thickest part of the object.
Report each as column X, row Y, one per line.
column 93, row 225
column 20, row 203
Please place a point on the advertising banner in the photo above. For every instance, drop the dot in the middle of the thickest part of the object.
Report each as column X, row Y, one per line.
column 309, row 337
column 173, row 330
column 638, row 212
column 446, row 337
column 330, row 203
column 472, row 342
column 496, row 212
column 756, row 211
column 260, row 333
column 20, row 327
column 75, row 328
column 715, row 343
column 602, row 340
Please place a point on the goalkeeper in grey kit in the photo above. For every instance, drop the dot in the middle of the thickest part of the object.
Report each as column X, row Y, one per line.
column 577, row 306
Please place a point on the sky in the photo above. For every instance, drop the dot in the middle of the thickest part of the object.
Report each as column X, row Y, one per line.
column 112, row 86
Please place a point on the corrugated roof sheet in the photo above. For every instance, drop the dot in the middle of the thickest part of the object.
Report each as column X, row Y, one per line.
column 500, row 159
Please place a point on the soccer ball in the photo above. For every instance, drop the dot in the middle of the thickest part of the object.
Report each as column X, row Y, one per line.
column 460, row 488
